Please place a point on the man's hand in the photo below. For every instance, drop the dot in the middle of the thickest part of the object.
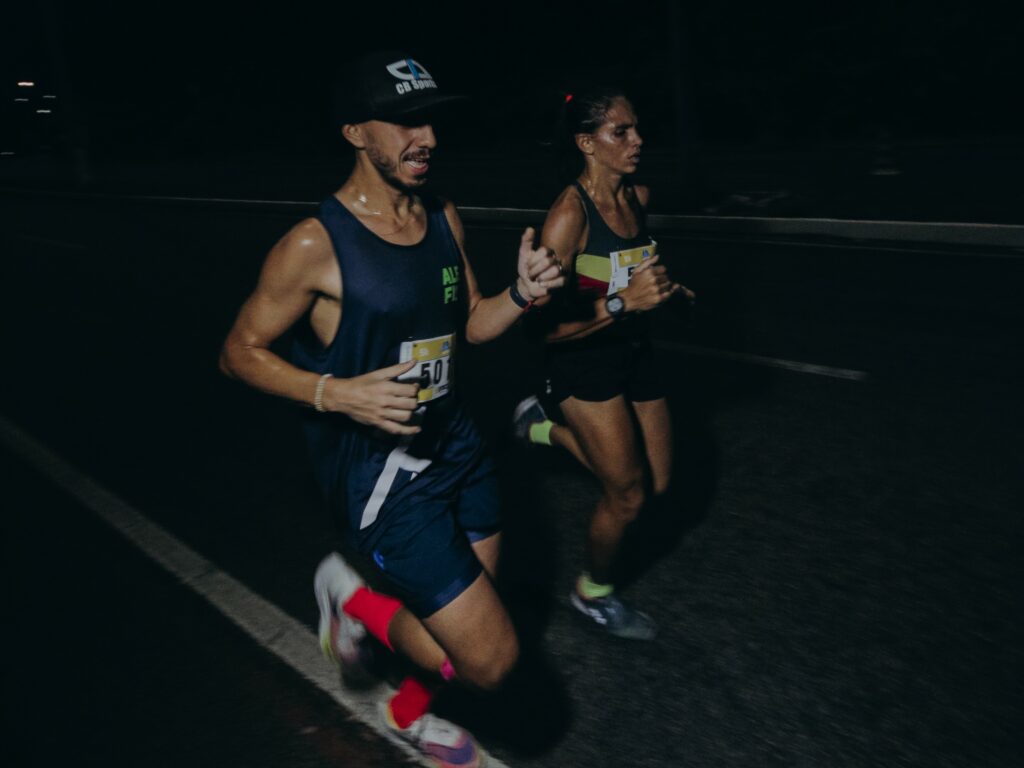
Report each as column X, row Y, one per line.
column 650, row 286
column 539, row 270
column 376, row 399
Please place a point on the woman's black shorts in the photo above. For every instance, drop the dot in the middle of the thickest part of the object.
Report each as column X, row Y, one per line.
column 599, row 370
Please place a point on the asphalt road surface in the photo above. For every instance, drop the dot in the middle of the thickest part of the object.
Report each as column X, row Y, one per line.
column 837, row 585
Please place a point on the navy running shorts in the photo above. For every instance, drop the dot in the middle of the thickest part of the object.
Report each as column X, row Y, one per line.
column 422, row 546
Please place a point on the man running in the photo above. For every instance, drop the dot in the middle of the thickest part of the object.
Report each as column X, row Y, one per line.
column 377, row 288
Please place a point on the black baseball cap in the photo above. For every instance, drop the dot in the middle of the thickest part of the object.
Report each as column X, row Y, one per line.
column 387, row 85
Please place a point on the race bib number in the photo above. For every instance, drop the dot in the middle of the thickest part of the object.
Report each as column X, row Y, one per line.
column 433, row 369
column 625, row 262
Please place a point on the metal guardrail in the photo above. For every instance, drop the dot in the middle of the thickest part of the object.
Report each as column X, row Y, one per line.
column 911, row 232
column 988, row 235
column 984, row 239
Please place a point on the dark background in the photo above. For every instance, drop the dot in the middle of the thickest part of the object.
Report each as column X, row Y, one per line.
column 840, row 585
column 897, row 110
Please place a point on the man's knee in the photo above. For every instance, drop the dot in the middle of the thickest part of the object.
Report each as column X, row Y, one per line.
column 489, row 668
column 477, row 634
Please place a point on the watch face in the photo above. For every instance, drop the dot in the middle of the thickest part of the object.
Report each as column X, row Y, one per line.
column 615, row 305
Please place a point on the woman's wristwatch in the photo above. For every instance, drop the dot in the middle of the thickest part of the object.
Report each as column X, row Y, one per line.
column 615, row 305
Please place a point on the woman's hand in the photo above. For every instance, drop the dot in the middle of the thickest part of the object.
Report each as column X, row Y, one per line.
column 650, row 286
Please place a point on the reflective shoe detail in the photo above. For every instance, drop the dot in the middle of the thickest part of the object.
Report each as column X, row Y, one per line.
column 443, row 743
column 615, row 617
column 528, row 412
column 341, row 636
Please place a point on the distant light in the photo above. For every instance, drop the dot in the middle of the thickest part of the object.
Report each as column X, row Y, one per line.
column 26, row 84
column 6, row 154
column 49, row 96
column 44, row 111
column 20, row 99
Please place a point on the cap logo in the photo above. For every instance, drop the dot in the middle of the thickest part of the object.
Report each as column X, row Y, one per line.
column 412, row 76
column 409, row 69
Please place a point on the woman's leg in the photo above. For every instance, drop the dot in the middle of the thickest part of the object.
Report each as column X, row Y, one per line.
column 564, row 438
column 656, row 432
column 606, row 438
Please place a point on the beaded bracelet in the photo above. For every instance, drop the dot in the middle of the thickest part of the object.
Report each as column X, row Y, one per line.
column 318, row 398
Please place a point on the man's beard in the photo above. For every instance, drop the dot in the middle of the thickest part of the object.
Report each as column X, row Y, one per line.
column 388, row 169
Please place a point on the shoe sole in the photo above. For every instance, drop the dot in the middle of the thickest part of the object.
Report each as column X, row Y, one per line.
column 524, row 406
column 323, row 601
column 395, row 732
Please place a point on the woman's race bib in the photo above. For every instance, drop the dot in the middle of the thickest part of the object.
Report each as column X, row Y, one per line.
column 624, row 262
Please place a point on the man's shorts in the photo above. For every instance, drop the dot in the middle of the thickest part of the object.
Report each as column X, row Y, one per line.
column 421, row 542
column 600, row 370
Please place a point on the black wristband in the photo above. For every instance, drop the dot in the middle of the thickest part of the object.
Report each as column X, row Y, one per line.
column 518, row 298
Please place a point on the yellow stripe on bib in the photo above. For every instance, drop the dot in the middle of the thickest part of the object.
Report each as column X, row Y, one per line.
column 633, row 256
column 430, row 349
column 594, row 267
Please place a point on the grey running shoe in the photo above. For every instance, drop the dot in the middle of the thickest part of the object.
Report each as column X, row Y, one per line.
column 615, row 617
column 444, row 744
column 528, row 412
column 342, row 639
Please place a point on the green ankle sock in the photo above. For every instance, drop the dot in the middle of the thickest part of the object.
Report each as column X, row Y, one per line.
column 590, row 589
column 541, row 432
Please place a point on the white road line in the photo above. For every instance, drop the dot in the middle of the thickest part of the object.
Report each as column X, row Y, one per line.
column 773, row 362
column 268, row 625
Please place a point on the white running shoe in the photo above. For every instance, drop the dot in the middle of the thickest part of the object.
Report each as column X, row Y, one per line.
column 443, row 743
column 341, row 637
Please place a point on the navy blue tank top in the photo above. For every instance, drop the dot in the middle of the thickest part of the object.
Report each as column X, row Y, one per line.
column 391, row 294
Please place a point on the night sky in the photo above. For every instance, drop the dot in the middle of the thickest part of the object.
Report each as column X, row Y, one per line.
column 193, row 78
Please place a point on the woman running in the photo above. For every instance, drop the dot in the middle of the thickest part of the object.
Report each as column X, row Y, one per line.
column 599, row 362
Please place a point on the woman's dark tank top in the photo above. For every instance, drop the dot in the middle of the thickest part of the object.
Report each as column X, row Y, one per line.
column 592, row 273
column 593, row 267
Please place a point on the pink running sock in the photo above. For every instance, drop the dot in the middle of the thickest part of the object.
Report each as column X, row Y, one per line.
column 374, row 610
column 410, row 703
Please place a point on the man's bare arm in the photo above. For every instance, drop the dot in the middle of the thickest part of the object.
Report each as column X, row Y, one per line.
column 298, row 270
column 537, row 273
